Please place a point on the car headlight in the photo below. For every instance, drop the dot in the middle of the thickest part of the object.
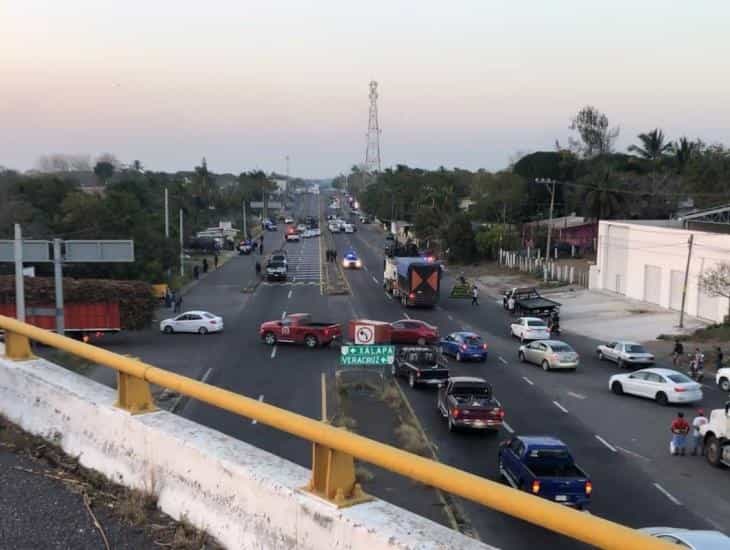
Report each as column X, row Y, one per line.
column 358, row 263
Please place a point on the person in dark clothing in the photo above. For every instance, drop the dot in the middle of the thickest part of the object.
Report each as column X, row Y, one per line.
column 178, row 303
column 258, row 269
column 474, row 296
column 196, row 272
column 215, row 261
column 205, row 265
column 718, row 358
column 261, row 247
column 677, row 352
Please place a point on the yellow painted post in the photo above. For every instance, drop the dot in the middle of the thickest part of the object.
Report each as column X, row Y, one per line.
column 333, row 477
column 133, row 394
column 17, row 346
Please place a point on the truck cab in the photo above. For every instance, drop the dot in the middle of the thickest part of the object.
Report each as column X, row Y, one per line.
column 544, row 467
column 716, row 435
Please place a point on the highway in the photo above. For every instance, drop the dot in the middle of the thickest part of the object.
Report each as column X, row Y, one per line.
column 621, row 441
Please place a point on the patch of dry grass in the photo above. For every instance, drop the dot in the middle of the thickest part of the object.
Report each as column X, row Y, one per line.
column 363, row 474
column 411, row 439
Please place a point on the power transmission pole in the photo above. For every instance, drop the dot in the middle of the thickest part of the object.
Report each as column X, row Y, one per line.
column 372, row 149
column 245, row 226
column 182, row 253
column 686, row 278
column 550, row 184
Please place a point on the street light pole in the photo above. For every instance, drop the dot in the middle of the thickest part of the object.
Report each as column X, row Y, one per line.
column 167, row 216
column 550, row 184
column 182, row 252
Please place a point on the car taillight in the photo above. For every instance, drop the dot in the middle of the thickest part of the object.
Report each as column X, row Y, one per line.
column 678, row 389
column 418, row 372
column 463, row 347
column 484, row 347
column 501, row 413
column 213, row 322
column 455, row 413
column 535, row 487
column 589, row 488
column 411, row 295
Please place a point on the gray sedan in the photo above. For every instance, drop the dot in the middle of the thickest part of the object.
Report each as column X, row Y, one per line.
column 625, row 353
column 549, row 354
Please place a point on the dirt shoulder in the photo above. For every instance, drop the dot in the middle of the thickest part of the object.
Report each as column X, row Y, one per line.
column 50, row 501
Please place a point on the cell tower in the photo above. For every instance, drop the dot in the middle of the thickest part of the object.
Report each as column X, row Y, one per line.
column 372, row 151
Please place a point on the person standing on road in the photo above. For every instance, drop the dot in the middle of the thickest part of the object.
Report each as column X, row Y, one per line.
column 679, row 429
column 474, row 295
column 258, row 269
column 215, row 260
column 511, row 304
column 178, row 302
column 677, row 352
column 196, row 272
column 171, row 303
column 205, row 265
column 718, row 358
column 697, row 443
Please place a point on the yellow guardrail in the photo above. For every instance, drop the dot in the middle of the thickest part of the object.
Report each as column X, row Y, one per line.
column 334, row 449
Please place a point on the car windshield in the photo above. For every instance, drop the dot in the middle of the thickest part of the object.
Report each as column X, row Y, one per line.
column 561, row 348
column 208, row 316
column 276, row 264
column 535, row 323
column 635, row 348
column 679, row 378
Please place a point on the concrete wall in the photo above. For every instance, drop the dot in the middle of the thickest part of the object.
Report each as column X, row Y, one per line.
column 245, row 497
column 626, row 249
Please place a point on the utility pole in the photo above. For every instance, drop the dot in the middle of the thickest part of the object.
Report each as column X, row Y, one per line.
column 245, row 226
column 372, row 149
column 182, row 252
column 58, row 282
column 686, row 278
column 167, row 216
column 19, row 282
column 286, row 186
column 550, row 183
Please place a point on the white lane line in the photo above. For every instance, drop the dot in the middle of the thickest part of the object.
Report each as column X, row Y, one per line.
column 504, row 361
column 261, row 400
column 283, row 314
column 375, row 280
column 273, row 352
column 632, row 453
column 289, row 295
column 365, row 267
column 667, row 494
column 450, row 317
column 528, row 380
column 606, row 443
column 558, row 405
column 389, row 296
column 576, row 395
column 206, row 375
column 508, row 427
column 406, row 315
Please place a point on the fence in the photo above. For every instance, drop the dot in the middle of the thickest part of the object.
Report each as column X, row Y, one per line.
column 334, row 450
column 548, row 270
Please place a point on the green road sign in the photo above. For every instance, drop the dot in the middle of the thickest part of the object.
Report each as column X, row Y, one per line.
column 367, row 355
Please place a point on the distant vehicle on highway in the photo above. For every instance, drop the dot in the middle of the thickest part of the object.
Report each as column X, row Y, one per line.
column 624, row 353
column 413, row 331
column 468, row 402
column 420, row 365
column 530, row 328
column 413, row 280
column 309, row 233
column 201, row 322
column 334, row 227
column 722, row 378
column 549, row 354
column 245, row 246
column 544, row 467
column 348, row 227
column 292, row 234
column 528, row 301
column 302, row 227
column 662, row 385
column 689, row 538
column 288, row 220
column 464, row 345
column 298, row 328
column 276, row 268
column 351, row 260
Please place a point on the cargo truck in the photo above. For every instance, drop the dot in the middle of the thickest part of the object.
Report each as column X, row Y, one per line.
column 412, row 280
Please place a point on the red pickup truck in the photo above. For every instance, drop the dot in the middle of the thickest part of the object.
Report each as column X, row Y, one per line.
column 298, row 328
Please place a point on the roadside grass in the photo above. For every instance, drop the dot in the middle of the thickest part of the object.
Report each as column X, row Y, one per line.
column 137, row 508
column 363, row 474
column 411, row 439
column 70, row 361
column 713, row 333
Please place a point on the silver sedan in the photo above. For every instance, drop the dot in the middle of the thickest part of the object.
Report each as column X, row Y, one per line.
column 625, row 354
column 549, row 354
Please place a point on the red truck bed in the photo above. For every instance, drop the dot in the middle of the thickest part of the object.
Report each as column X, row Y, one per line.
column 96, row 317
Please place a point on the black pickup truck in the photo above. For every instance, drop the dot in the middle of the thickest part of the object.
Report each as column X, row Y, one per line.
column 421, row 365
column 529, row 302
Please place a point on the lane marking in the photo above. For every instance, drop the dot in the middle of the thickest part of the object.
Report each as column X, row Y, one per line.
column 261, row 400
column 606, row 443
column 632, row 453
column 528, row 380
column 365, row 267
column 507, row 427
column 558, row 405
column 667, row 494
column 406, row 315
column 504, row 361
column 273, row 352
column 450, row 317
column 324, row 398
column 206, row 375
column 283, row 314
column 576, row 395
column 375, row 280
column 289, row 295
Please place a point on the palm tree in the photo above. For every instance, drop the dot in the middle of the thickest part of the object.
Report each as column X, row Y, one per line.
column 683, row 151
column 604, row 200
column 653, row 146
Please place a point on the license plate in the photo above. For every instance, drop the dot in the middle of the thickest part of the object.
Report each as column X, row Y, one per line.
column 561, row 498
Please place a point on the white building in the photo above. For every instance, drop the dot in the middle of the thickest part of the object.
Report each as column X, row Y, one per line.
column 646, row 260
column 281, row 184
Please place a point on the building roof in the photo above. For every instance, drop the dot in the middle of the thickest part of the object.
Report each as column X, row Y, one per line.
column 564, row 221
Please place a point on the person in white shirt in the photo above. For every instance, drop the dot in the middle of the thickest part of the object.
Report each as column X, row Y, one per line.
column 511, row 304
column 697, row 443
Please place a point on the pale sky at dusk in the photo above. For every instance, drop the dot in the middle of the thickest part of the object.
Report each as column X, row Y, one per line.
column 463, row 83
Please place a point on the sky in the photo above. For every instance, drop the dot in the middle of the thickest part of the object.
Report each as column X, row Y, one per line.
column 467, row 84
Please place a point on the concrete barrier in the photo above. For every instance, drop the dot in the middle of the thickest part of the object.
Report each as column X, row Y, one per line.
column 243, row 496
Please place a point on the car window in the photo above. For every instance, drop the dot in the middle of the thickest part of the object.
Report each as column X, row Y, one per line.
column 398, row 325
column 194, row 317
column 516, row 446
column 635, row 348
column 638, row 376
column 473, row 341
column 679, row 378
column 653, row 377
column 535, row 323
column 208, row 316
column 541, row 346
column 611, row 345
column 414, row 326
column 182, row 318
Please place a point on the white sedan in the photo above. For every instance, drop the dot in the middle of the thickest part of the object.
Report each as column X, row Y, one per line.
column 201, row 322
column 662, row 385
column 625, row 353
column 530, row 328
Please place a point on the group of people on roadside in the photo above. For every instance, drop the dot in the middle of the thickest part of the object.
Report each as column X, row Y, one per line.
column 173, row 300
column 697, row 360
column 681, row 429
column 331, row 255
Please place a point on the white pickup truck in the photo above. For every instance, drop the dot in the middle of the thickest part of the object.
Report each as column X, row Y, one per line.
column 722, row 378
column 716, row 435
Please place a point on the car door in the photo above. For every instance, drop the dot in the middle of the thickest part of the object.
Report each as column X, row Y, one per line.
column 448, row 345
column 398, row 332
column 194, row 322
column 609, row 351
column 634, row 383
column 653, row 384
column 532, row 352
column 617, row 352
column 179, row 323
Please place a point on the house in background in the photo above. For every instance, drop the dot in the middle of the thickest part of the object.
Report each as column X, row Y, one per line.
column 572, row 230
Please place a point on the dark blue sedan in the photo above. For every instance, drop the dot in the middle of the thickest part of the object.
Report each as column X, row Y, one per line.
column 464, row 345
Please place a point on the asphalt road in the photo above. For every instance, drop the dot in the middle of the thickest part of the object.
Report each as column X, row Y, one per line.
column 621, row 441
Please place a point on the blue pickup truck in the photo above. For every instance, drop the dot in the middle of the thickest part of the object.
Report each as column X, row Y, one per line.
column 543, row 466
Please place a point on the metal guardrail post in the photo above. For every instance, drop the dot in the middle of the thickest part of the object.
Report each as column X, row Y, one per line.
column 333, row 477
column 17, row 346
column 133, row 394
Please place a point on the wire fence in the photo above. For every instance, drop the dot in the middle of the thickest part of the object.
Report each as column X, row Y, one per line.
column 548, row 270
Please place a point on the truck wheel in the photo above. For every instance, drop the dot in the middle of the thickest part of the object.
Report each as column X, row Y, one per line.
column 724, row 384
column 661, row 398
column 713, row 451
column 270, row 338
column 310, row 341
column 617, row 388
column 168, row 330
column 412, row 380
column 202, row 331
column 545, row 365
